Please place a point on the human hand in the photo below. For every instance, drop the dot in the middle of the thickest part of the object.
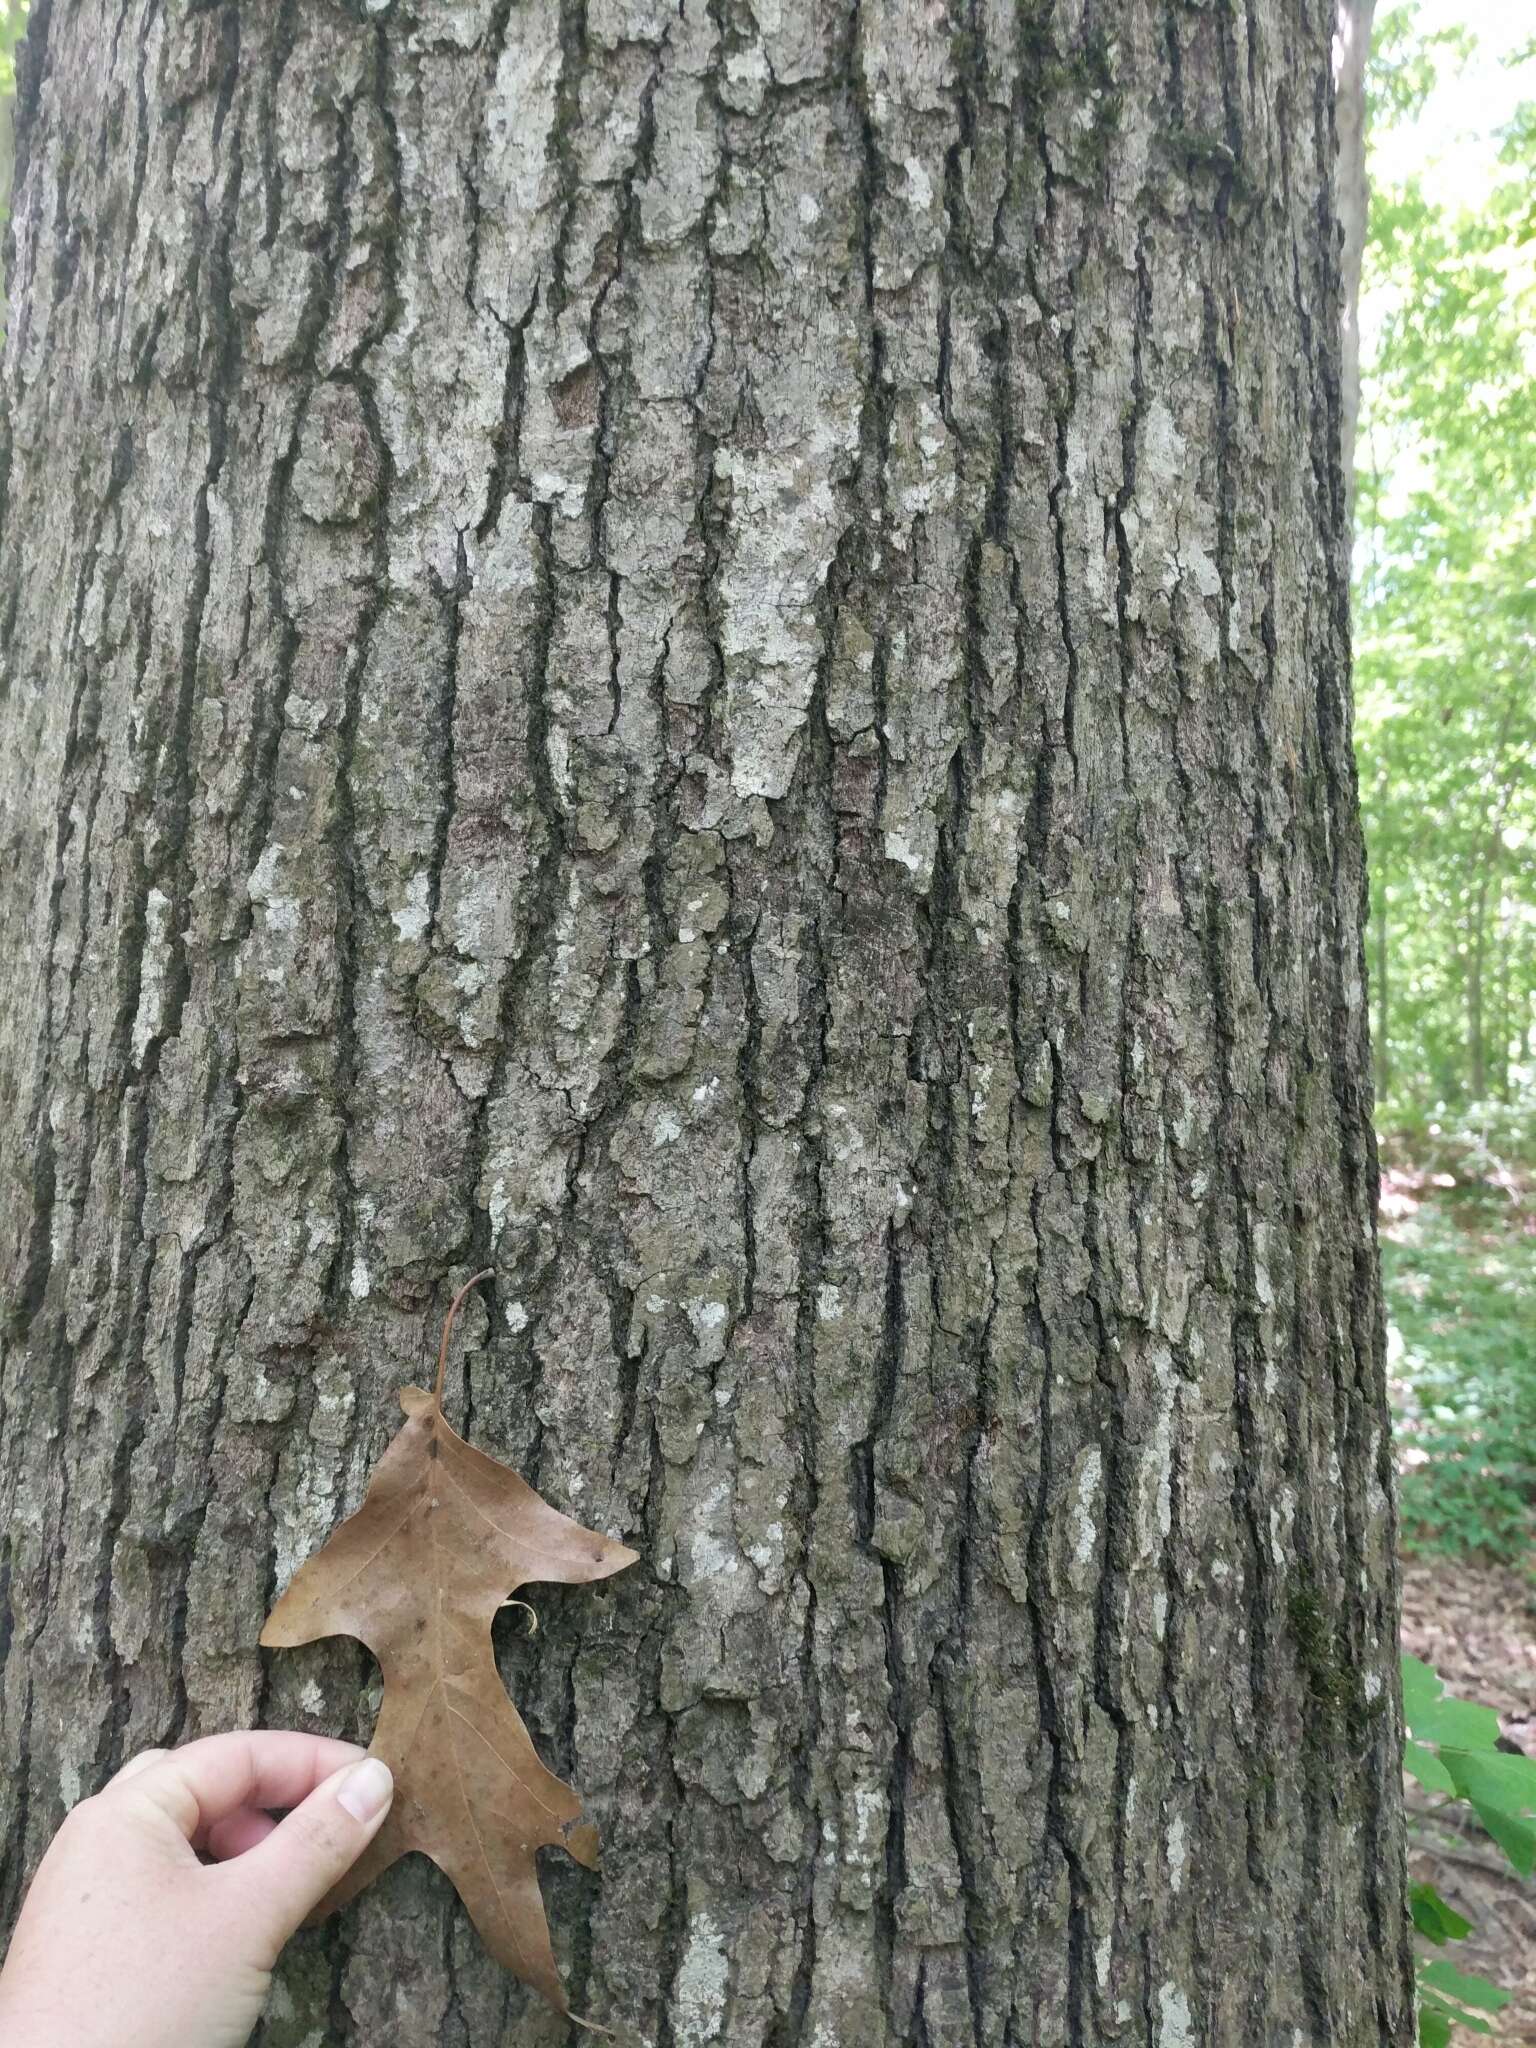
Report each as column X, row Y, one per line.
column 127, row 1940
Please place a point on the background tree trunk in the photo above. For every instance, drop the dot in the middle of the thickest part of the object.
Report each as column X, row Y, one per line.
column 1477, row 1064
column 704, row 656
column 1501, row 1042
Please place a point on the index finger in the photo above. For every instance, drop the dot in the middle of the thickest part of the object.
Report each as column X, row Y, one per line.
column 255, row 1767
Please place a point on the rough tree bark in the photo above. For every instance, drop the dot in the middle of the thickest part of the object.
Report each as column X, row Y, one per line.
column 702, row 654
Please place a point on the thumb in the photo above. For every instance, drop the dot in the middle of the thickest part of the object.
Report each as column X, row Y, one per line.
column 286, row 1876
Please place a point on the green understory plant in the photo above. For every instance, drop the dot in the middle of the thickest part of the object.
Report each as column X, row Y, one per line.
column 1452, row 1749
column 1461, row 1287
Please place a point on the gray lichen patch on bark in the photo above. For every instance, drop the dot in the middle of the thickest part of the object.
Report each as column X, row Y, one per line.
column 702, row 654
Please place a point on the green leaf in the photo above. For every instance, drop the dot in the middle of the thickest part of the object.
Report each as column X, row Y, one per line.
column 1431, row 2001
column 1432, row 1716
column 1467, row 1990
column 1421, row 1688
column 1427, row 1768
column 1434, row 2029
column 1457, row 1723
column 1434, row 1919
column 1492, row 1778
column 1515, row 1837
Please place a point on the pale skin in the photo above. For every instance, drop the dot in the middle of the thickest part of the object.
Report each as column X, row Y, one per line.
column 129, row 1938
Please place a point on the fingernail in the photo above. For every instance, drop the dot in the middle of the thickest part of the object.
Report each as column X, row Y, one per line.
column 366, row 1789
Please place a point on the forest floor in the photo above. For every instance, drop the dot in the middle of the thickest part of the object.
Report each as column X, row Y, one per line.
column 1459, row 1258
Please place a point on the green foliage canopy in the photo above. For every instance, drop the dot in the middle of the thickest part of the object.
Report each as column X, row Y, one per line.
column 1445, row 605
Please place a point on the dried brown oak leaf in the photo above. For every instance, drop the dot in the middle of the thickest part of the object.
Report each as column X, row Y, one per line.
column 443, row 1536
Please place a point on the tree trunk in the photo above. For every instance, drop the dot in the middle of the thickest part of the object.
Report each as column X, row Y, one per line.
column 1477, row 1066
column 1383, row 977
column 1501, row 1041
column 704, row 656
column 1351, row 53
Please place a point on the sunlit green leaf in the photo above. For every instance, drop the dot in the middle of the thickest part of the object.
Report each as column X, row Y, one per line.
column 1465, row 1989
column 1491, row 1778
column 1517, row 1838
column 1424, row 1765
